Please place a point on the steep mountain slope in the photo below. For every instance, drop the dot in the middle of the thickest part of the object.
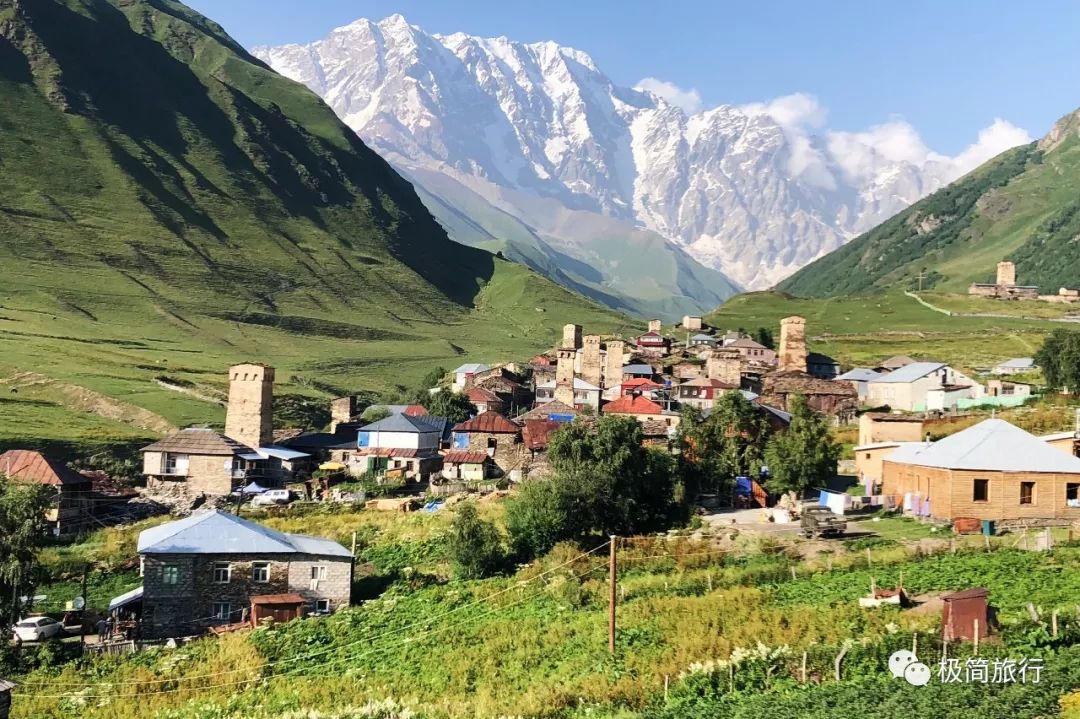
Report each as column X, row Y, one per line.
column 170, row 205
column 1021, row 206
column 491, row 125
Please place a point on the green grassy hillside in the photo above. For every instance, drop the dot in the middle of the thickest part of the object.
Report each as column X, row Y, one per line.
column 862, row 331
column 1022, row 206
column 170, row 206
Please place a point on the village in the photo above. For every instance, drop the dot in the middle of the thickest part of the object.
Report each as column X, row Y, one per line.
column 210, row 569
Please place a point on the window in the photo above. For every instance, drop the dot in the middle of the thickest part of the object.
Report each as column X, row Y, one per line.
column 170, row 574
column 868, row 455
column 318, row 572
column 260, row 572
column 1072, row 494
column 322, row 606
column 176, row 464
column 222, row 572
column 1027, row 492
column 492, row 443
column 221, row 611
column 981, row 491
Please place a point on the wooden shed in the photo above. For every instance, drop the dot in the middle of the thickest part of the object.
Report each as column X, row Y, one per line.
column 966, row 613
column 279, row 607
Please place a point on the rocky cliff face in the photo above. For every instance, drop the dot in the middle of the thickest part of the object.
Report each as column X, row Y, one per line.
column 536, row 134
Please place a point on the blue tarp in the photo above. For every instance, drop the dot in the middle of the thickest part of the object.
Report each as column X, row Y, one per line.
column 744, row 486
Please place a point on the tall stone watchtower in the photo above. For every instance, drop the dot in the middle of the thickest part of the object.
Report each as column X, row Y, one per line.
column 792, row 354
column 249, row 416
column 724, row 365
column 590, row 359
column 613, row 364
column 571, row 337
column 564, row 376
column 1006, row 274
column 655, row 326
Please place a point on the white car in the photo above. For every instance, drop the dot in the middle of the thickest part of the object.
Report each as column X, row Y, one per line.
column 272, row 496
column 35, row 629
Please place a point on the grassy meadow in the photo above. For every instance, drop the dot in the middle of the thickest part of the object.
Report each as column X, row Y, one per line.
column 535, row 643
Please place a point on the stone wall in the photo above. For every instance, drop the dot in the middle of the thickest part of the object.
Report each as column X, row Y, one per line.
column 613, row 364
column 508, row 453
column 186, row 607
column 564, row 376
column 724, row 365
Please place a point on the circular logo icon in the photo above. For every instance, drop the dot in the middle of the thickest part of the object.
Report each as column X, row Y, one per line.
column 900, row 660
column 917, row 674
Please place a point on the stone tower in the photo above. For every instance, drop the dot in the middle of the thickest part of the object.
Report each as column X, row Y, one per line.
column 613, row 364
column 724, row 365
column 792, row 354
column 342, row 411
column 249, row 416
column 590, row 359
column 571, row 337
column 1006, row 274
column 655, row 326
column 564, row 376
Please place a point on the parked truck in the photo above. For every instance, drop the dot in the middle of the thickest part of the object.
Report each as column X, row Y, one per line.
column 821, row 522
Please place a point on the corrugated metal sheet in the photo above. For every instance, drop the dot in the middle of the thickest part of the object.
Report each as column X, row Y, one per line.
column 211, row 531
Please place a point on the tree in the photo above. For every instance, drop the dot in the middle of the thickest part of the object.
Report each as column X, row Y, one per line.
column 374, row 413
column 475, row 545
column 455, row 407
column 805, row 455
column 729, row 443
column 24, row 529
column 764, row 336
column 605, row 481
column 1059, row 359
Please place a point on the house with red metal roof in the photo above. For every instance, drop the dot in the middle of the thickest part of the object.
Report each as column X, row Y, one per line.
column 640, row 385
column 492, row 434
column 702, row 392
column 484, row 400
column 72, row 508
column 641, row 409
column 653, row 343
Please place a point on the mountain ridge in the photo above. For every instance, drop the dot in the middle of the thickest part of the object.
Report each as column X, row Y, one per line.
column 739, row 190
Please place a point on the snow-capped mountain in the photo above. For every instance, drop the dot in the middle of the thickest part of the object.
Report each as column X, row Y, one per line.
column 531, row 148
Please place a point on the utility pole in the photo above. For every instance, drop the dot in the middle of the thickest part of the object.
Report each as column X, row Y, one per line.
column 612, row 565
column 82, row 612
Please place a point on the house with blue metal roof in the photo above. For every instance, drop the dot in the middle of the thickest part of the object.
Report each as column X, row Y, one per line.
column 922, row 386
column 212, row 568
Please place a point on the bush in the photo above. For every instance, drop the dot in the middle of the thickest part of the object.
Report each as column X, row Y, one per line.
column 474, row 545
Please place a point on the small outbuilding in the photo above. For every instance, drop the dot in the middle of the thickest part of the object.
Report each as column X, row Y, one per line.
column 966, row 615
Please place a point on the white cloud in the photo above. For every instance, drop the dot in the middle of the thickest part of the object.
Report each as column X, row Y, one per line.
column 688, row 100
column 993, row 140
column 817, row 154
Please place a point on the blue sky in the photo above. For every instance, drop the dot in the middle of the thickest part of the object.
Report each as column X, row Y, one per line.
column 947, row 68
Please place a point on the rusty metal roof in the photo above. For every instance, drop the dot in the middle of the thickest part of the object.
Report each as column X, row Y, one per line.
column 290, row 598
column 465, row 457
column 488, row 423
column 25, row 465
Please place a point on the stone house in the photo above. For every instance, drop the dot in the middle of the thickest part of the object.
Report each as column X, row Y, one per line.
column 485, row 400
column 653, row 343
column 205, row 569
column 993, row 470
column 194, row 461
column 72, row 509
column 495, row 436
column 512, row 392
column 553, row 410
column 835, row 399
column 752, row 351
column 691, row 322
column 701, row 340
column 1016, row 365
column 643, row 386
column 878, row 427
